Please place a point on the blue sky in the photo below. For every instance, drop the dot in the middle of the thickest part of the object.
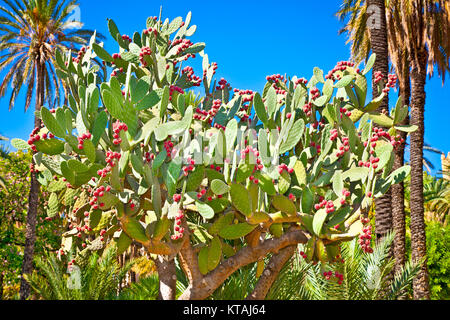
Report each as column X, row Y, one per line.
column 248, row 40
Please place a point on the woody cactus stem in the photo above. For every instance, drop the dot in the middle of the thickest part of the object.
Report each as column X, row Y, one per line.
column 270, row 273
column 205, row 285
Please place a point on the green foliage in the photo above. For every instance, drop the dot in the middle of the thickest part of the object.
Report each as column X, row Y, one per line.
column 437, row 233
column 436, row 193
column 145, row 289
column 438, row 255
column 15, row 168
column 299, row 280
column 95, row 278
column 364, row 276
column 237, row 286
column 264, row 157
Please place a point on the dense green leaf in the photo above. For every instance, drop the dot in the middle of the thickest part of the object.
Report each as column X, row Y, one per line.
column 260, row 109
column 219, row 187
column 319, row 219
column 236, row 231
column 240, row 198
column 205, row 210
column 19, row 144
column 51, row 123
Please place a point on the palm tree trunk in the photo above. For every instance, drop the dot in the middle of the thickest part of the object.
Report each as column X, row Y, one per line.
column 379, row 45
column 398, row 190
column 418, row 240
column 33, row 197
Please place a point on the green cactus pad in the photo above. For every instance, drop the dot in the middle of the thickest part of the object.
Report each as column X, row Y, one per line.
column 219, row 205
column 219, row 187
column 134, row 229
column 205, row 210
column 161, row 228
column 236, row 231
column 203, row 260
column 276, row 229
column 77, row 166
column 222, row 221
column 50, row 146
column 19, row 144
column 240, row 198
column 266, row 183
column 318, row 221
column 53, row 205
column 214, row 253
column 284, row 182
column 52, row 124
column 123, row 243
column 283, row 204
column 258, row 217
column 94, row 218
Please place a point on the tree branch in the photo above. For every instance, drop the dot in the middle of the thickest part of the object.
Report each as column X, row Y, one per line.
column 205, row 286
column 188, row 258
column 271, row 272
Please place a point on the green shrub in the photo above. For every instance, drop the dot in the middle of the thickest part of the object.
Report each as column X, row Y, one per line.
column 438, row 250
column 15, row 169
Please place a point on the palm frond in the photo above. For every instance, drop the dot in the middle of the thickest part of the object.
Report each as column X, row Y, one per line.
column 403, row 279
column 29, row 31
column 99, row 277
column 286, row 285
column 146, row 289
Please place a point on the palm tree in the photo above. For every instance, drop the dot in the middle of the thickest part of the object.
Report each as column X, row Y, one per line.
column 379, row 46
column 367, row 30
column 30, row 32
column 425, row 30
column 445, row 164
column 358, row 36
column 399, row 57
column 419, row 28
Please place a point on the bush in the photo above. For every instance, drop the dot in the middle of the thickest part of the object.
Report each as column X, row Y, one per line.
column 438, row 251
column 15, row 168
column 96, row 277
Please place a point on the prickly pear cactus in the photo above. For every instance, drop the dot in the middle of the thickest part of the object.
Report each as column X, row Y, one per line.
column 143, row 158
